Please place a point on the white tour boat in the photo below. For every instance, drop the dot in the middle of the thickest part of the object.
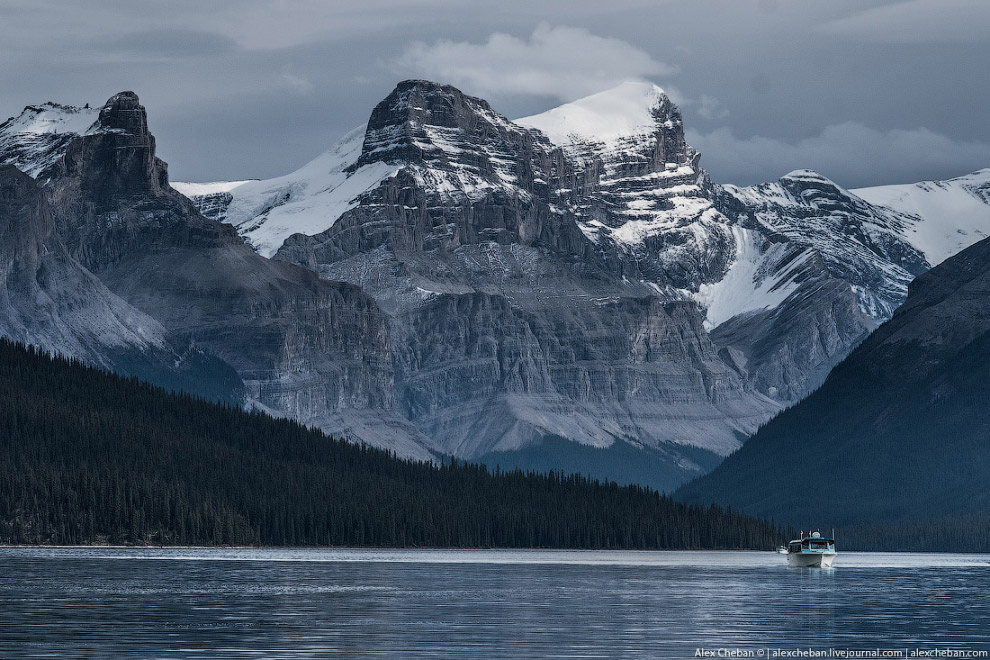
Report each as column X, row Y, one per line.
column 813, row 551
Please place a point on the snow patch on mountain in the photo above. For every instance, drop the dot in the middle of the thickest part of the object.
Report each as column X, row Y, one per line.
column 38, row 137
column 865, row 245
column 208, row 188
column 747, row 286
column 53, row 118
column 947, row 216
column 648, row 222
column 307, row 201
column 622, row 111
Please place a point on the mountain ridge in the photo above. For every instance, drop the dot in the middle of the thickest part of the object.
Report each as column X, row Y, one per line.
column 790, row 276
column 464, row 285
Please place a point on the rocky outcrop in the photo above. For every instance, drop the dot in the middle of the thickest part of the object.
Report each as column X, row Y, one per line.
column 636, row 185
column 306, row 348
column 50, row 300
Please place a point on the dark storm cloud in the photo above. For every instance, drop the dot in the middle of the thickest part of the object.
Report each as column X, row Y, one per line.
column 866, row 91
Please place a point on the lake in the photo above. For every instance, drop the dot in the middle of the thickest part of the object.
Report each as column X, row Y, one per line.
column 315, row 603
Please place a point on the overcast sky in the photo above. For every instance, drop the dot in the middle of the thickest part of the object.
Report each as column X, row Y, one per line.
column 865, row 92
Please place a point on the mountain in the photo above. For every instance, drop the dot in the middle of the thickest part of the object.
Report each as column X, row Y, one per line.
column 817, row 269
column 48, row 298
column 897, row 432
column 574, row 281
column 516, row 339
column 636, row 184
column 294, row 344
column 570, row 290
column 791, row 274
column 92, row 458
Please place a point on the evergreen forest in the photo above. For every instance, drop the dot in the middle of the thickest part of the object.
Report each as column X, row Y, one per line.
column 89, row 457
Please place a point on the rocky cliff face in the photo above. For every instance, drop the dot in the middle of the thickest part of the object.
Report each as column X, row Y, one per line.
column 49, row 299
column 635, row 184
column 302, row 347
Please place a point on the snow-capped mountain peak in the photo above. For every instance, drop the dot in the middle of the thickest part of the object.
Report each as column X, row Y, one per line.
column 53, row 118
column 638, row 184
column 423, row 121
column 806, row 175
column 37, row 137
column 622, row 111
column 446, row 141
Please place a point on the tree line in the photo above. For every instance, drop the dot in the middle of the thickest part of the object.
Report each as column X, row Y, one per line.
column 91, row 457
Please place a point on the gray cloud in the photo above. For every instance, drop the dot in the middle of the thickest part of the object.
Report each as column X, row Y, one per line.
column 917, row 22
column 556, row 61
column 279, row 24
column 850, row 153
column 255, row 88
column 710, row 107
column 167, row 44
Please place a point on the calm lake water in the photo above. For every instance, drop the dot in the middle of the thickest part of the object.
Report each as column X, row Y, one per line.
column 181, row 603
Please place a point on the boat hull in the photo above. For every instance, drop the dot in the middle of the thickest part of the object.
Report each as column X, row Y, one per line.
column 811, row 559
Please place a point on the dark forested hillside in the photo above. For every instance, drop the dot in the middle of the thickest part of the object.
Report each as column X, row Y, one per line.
column 894, row 445
column 90, row 457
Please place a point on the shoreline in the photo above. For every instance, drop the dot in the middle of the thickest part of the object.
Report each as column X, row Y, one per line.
column 456, row 549
column 366, row 547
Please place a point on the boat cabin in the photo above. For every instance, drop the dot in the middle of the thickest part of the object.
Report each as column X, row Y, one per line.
column 814, row 543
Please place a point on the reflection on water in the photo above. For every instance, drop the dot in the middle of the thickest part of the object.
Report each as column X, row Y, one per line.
column 477, row 604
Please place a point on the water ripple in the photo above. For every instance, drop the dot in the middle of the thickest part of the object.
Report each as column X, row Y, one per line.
column 240, row 603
